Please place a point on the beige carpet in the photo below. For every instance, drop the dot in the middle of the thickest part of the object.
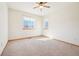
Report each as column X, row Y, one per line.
column 39, row 46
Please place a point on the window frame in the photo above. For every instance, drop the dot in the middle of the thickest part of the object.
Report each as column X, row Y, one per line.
column 29, row 19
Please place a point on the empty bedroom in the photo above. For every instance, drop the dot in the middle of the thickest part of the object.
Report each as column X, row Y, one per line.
column 39, row 28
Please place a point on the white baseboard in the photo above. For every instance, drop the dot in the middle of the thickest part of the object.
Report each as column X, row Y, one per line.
column 71, row 41
column 3, row 46
column 22, row 37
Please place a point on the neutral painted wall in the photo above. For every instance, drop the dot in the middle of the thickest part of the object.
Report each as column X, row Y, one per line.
column 64, row 22
column 3, row 26
column 16, row 25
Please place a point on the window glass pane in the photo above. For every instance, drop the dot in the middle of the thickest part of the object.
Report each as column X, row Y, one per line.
column 29, row 23
column 46, row 24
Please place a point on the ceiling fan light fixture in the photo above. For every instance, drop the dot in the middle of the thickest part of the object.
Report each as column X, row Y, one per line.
column 41, row 7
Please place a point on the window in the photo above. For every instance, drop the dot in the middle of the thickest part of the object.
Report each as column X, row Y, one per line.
column 46, row 24
column 29, row 23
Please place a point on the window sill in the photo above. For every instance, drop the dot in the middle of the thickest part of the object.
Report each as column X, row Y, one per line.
column 28, row 29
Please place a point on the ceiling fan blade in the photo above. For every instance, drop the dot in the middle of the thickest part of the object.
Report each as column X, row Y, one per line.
column 47, row 6
column 37, row 2
column 44, row 2
column 36, row 7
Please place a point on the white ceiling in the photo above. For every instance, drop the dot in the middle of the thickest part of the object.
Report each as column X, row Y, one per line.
column 28, row 7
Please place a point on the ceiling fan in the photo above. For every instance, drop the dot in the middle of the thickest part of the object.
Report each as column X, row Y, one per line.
column 41, row 5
